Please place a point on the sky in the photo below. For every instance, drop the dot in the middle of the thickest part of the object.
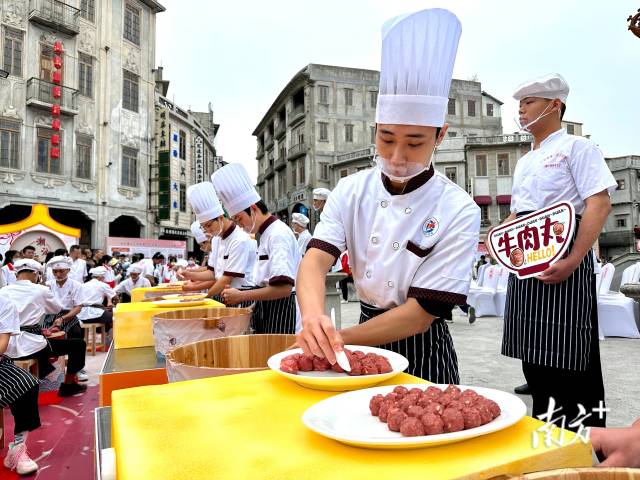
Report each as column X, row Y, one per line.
column 239, row 55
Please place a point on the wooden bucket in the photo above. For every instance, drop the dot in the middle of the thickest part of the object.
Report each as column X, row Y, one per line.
column 595, row 473
column 179, row 327
column 224, row 356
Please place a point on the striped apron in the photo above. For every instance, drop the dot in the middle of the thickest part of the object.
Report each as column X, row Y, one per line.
column 275, row 316
column 552, row 325
column 66, row 326
column 431, row 354
column 14, row 382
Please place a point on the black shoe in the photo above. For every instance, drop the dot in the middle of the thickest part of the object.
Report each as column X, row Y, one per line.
column 472, row 315
column 70, row 389
column 523, row 389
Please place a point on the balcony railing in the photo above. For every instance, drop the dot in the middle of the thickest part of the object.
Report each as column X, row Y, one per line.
column 362, row 153
column 280, row 129
column 55, row 14
column 296, row 151
column 39, row 95
column 260, row 179
column 297, row 112
column 268, row 173
column 260, row 152
column 500, row 139
column 280, row 164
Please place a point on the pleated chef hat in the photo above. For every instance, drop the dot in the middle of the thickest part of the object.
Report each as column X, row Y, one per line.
column 321, row 193
column 98, row 271
column 551, row 86
column 197, row 232
column 235, row 188
column 204, row 201
column 300, row 219
column 27, row 264
column 60, row 262
column 135, row 268
column 418, row 53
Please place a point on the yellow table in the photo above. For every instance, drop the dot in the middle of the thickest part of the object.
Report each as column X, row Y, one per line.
column 139, row 294
column 132, row 325
column 249, row 426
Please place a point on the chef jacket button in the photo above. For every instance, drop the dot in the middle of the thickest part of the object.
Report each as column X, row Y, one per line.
column 374, row 240
column 368, row 274
column 389, row 283
column 384, row 204
column 396, row 245
column 407, row 210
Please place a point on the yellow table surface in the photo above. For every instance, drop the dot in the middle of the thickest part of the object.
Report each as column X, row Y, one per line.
column 132, row 325
column 137, row 294
column 249, row 426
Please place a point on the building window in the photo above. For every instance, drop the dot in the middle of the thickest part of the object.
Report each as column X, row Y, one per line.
column 13, row 47
column 46, row 164
column 373, row 96
column 452, row 134
column 484, row 216
column 570, row 129
column 301, row 173
column 323, row 94
column 621, row 222
column 451, row 173
column 183, row 197
column 323, row 129
column 87, row 10
column 182, row 145
column 83, row 157
column 451, row 108
column 85, row 75
column 505, row 211
column 129, row 167
column 9, row 144
column 471, row 108
column 621, row 184
column 132, row 24
column 344, row 172
column 324, row 171
column 372, row 132
column 503, row 165
column 46, row 66
column 348, row 97
column 129, row 91
column 293, row 174
column 481, row 165
column 282, row 184
column 489, row 109
column 348, row 133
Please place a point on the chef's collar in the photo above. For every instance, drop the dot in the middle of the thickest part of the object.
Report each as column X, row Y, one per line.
column 266, row 224
column 228, row 231
column 413, row 184
column 552, row 136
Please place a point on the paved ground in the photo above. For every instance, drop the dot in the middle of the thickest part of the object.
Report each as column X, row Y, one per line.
column 478, row 348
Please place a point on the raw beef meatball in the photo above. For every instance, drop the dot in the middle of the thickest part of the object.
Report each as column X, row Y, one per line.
column 395, row 418
column 384, row 410
column 452, row 419
column 433, row 424
column 445, row 399
column 435, row 408
column 375, row 403
column 392, row 397
column 485, row 413
column 412, row 427
column 416, row 391
column 433, row 392
column 359, row 355
column 456, row 405
column 321, row 364
column 471, row 418
column 289, row 365
column 493, row 407
column 454, row 391
column 383, row 365
column 408, row 401
column 305, row 363
column 356, row 368
column 415, row 411
column 424, row 400
column 400, row 390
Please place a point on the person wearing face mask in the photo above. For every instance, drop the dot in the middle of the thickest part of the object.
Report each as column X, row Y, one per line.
column 207, row 244
column 299, row 223
column 551, row 321
column 320, row 196
column 277, row 259
column 236, row 252
column 411, row 233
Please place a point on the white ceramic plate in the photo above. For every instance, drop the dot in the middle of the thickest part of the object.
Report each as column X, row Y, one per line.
column 347, row 419
column 340, row 382
column 178, row 303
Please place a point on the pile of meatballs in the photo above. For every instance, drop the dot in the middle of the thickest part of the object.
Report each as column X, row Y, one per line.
column 361, row 363
column 418, row 412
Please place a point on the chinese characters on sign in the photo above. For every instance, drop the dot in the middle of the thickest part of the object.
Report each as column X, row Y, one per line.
column 530, row 244
column 162, row 129
column 199, row 159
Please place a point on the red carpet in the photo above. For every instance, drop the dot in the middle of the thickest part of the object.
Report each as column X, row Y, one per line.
column 63, row 445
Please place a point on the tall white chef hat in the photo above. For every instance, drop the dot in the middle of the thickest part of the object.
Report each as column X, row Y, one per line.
column 235, row 188
column 321, row 193
column 27, row 264
column 300, row 219
column 551, row 86
column 60, row 263
column 98, row 271
column 418, row 53
column 197, row 232
column 135, row 268
column 204, row 201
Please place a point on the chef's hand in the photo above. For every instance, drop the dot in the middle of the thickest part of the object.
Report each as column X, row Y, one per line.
column 186, row 274
column 231, row 296
column 620, row 447
column 319, row 337
column 558, row 272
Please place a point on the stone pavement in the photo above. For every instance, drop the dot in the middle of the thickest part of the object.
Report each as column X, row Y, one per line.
column 478, row 348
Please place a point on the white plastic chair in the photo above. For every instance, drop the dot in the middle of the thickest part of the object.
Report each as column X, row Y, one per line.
column 606, row 275
column 500, row 298
column 617, row 314
column 482, row 298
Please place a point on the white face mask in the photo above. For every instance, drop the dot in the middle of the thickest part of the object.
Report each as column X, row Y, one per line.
column 250, row 230
column 525, row 127
column 400, row 174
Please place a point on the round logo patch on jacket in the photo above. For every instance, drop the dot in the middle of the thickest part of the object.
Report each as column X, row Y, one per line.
column 430, row 227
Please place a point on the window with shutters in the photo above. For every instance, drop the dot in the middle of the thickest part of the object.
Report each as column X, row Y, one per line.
column 323, row 94
column 83, row 157
column 503, row 164
column 9, row 144
column 344, row 172
column 484, row 216
column 451, row 173
column 301, row 172
column 13, row 48
column 481, row 165
column 129, row 167
column 132, row 24
column 85, row 75
column 129, row 91
column 348, row 133
column 348, row 97
column 293, row 174
column 505, row 211
column 451, row 107
column 182, row 145
column 373, row 99
column 88, row 10
column 489, row 109
column 471, row 108
column 47, row 68
column 324, row 171
column 46, row 164
column 323, row 130
column 570, row 129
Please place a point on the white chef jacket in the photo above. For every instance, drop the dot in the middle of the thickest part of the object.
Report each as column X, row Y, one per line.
column 78, row 270
column 68, row 295
column 126, row 286
column 9, row 275
column 564, row 168
column 147, row 266
column 9, row 320
column 236, row 257
column 303, row 240
column 93, row 293
column 278, row 254
column 212, row 260
column 32, row 302
column 419, row 244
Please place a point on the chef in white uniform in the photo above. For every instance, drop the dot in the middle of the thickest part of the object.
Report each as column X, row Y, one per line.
column 67, row 292
column 278, row 255
column 206, row 244
column 300, row 222
column 135, row 280
column 410, row 232
column 236, row 251
column 79, row 266
column 320, row 196
column 93, row 294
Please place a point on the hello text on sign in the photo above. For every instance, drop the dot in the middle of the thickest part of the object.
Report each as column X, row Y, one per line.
column 530, row 244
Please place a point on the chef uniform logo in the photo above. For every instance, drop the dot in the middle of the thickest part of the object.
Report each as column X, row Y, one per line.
column 430, row 227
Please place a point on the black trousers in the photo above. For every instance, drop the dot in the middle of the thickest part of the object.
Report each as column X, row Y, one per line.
column 106, row 319
column 344, row 287
column 74, row 348
column 25, row 411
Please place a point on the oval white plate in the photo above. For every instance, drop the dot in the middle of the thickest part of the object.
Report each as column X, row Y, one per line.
column 339, row 382
column 178, row 303
column 347, row 419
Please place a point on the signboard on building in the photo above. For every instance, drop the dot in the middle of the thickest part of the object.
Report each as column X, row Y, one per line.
column 199, row 159
column 147, row 246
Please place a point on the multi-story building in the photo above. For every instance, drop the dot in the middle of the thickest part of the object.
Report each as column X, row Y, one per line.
column 100, row 181
column 185, row 154
column 618, row 236
column 471, row 111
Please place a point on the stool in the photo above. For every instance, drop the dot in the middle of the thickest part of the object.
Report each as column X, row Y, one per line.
column 91, row 332
column 30, row 365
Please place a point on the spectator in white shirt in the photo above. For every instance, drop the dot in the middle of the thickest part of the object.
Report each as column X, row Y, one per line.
column 93, row 296
column 79, row 266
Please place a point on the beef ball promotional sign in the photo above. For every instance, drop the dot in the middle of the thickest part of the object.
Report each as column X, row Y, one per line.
column 530, row 244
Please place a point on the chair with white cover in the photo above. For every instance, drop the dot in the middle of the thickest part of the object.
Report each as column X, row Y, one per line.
column 482, row 298
column 606, row 275
column 617, row 314
column 598, row 282
column 500, row 298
